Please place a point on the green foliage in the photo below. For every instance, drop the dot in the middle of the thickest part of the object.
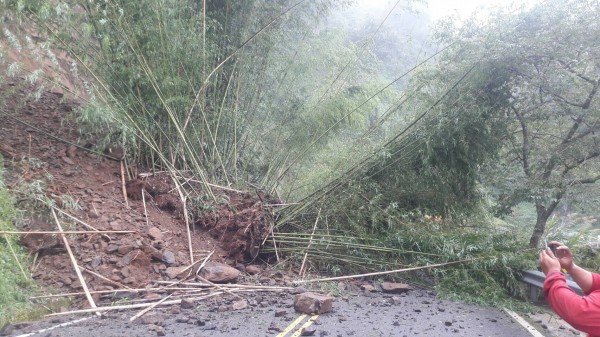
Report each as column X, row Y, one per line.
column 492, row 256
column 544, row 62
column 15, row 282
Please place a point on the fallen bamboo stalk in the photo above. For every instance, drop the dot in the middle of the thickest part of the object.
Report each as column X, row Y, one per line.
column 101, row 292
column 141, row 313
column 204, row 262
column 65, row 232
column 242, row 286
column 74, row 262
column 14, row 254
column 383, row 272
column 126, row 307
column 106, row 279
column 185, row 217
column 145, row 210
column 302, row 271
column 123, row 186
column 219, row 287
column 80, row 221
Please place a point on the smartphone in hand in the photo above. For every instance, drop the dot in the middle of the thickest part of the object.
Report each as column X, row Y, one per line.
column 552, row 247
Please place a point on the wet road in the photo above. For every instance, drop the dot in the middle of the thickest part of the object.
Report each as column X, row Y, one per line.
column 417, row 313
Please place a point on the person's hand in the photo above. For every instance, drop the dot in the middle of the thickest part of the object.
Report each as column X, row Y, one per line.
column 548, row 262
column 563, row 254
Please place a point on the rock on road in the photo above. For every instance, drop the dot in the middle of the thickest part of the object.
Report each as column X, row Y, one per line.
column 417, row 313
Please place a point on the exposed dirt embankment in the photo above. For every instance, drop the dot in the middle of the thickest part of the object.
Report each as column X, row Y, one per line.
column 46, row 155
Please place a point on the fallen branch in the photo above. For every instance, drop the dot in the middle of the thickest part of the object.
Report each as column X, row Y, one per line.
column 132, row 306
column 74, row 262
column 383, row 272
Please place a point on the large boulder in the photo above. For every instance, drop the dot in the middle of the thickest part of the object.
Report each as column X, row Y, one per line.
column 311, row 303
column 219, row 272
column 395, row 288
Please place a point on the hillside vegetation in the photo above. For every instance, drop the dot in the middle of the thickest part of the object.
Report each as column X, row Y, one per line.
column 436, row 159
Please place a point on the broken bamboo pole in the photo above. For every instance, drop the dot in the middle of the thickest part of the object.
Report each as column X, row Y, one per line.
column 74, row 262
column 102, row 292
column 123, row 184
column 242, row 286
column 142, row 312
column 65, row 232
column 383, row 272
column 131, row 306
column 105, row 278
column 302, row 270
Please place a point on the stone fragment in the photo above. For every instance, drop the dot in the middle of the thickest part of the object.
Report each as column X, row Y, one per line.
column 124, row 249
column 168, row 257
column 367, row 287
column 253, row 269
column 96, row 261
column 311, row 303
column 395, row 288
column 267, row 281
column 160, row 331
column 112, row 248
column 396, row 300
column 155, row 253
column 153, row 319
column 71, row 151
column 273, row 327
column 172, row 272
column 155, row 233
column 187, row 304
column 152, row 297
column 239, row 305
column 280, row 313
column 93, row 214
column 298, row 290
column 68, row 160
column 116, row 225
column 219, row 272
column 308, row 331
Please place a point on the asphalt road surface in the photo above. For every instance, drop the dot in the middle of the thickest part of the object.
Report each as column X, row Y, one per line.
column 417, row 313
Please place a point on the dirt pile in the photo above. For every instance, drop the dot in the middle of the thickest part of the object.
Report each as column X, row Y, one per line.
column 43, row 148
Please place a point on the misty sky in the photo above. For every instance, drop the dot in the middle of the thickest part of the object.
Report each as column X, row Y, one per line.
column 441, row 8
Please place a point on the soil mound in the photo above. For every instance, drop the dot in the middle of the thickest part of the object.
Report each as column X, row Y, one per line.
column 129, row 243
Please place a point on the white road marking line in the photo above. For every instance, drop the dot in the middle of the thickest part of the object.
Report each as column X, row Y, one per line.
column 54, row 327
column 524, row 323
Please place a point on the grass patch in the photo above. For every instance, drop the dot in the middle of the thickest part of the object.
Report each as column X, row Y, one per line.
column 15, row 281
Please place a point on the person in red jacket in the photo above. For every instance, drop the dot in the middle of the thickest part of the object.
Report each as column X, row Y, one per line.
column 582, row 312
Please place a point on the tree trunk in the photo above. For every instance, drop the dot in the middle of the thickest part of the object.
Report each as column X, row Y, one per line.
column 540, row 224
